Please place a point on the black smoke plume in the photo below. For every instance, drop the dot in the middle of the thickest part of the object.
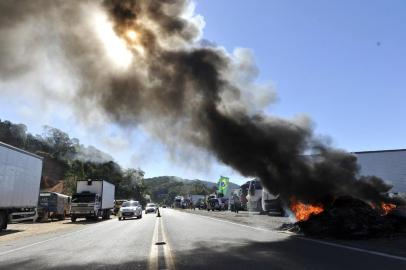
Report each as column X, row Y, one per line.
column 183, row 91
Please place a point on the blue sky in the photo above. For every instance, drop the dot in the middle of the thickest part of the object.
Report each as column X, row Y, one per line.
column 342, row 63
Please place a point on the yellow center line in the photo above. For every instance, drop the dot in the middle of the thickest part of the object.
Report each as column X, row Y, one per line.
column 153, row 255
column 169, row 259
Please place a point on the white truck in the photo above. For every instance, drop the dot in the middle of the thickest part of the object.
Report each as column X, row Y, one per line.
column 254, row 197
column 272, row 203
column 93, row 199
column 20, row 178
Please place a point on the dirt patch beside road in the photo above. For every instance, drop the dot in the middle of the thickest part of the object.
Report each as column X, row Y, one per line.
column 26, row 229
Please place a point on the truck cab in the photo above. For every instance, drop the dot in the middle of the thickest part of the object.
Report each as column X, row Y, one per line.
column 93, row 199
column 85, row 204
column 254, row 197
column 272, row 203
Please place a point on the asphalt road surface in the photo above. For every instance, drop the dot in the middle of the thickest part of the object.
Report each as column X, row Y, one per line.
column 181, row 240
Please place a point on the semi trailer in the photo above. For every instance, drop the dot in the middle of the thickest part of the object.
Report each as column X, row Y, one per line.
column 20, row 178
column 93, row 199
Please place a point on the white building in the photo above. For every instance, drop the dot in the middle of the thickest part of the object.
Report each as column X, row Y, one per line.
column 389, row 165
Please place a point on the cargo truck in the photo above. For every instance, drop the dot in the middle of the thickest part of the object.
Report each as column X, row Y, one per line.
column 53, row 205
column 20, row 177
column 93, row 199
column 272, row 203
column 254, row 197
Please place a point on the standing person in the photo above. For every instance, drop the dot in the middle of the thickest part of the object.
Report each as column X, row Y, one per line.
column 236, row 201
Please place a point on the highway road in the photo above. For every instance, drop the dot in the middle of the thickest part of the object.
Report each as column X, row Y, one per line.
column 180, row 240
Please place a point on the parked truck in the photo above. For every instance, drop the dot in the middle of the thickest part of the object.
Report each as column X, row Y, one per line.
column 272, row 203
column 254, row 197
column 53, row 205
column 93, row 199
column 20, row 177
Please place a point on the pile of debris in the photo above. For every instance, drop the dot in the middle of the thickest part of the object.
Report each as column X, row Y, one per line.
column 350, row 218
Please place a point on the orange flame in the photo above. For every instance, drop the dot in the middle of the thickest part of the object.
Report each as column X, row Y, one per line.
column 304, row 211
column 387, row 207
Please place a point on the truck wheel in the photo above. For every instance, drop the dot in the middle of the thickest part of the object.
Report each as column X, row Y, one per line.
column 283, row 213
column 61, row 217
column 3, row 221
column 106, row 214
column 73, row 218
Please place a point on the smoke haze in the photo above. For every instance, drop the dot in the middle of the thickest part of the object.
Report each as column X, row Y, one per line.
column 143, row 63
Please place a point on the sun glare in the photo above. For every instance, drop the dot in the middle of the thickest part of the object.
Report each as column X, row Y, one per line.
column 132, row 35
column 115, row 47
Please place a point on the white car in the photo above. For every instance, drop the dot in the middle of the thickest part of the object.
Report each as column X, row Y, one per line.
column 130, row 209
column 151, row 208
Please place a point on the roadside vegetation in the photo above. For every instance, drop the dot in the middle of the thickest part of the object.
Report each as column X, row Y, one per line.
column 66, row 160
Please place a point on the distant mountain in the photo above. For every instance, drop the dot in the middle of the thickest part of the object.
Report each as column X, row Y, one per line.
column 165, row 188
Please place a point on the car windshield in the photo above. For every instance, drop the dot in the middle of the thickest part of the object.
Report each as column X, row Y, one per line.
column 150, row 205
column 127, row 204
column 83, row 198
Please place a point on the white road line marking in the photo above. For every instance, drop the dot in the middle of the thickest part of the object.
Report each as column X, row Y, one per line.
column 169, row 260
column 51, row 239
column 313, row 240
column 153, row 254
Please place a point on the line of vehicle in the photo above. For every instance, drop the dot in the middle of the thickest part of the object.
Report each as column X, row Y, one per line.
column 313, row 240
column 48, row 240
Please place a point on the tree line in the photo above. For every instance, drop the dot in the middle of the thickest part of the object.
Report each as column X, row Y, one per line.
column 69, row 160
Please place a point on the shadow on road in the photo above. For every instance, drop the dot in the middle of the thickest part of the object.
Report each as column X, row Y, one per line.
column 84, row 221
column 6, row 232
column 290, row 253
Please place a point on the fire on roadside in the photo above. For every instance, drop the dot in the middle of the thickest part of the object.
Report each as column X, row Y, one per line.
column 303, row 211
column 387, row 207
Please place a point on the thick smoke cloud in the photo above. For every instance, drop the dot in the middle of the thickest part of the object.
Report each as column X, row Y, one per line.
column 180, row 89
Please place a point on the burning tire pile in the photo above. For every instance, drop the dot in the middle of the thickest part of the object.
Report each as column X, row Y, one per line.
column 349, row 218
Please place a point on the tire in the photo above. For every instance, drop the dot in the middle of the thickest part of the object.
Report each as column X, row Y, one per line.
column 140, row 216
column 73, row 218
column 3, row 221
column 61, row 216
column 119, row 218
column 105, row 215
column 283, row 213
column 123, row 218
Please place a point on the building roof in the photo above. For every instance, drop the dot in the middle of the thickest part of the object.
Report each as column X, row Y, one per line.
column 379, row 151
